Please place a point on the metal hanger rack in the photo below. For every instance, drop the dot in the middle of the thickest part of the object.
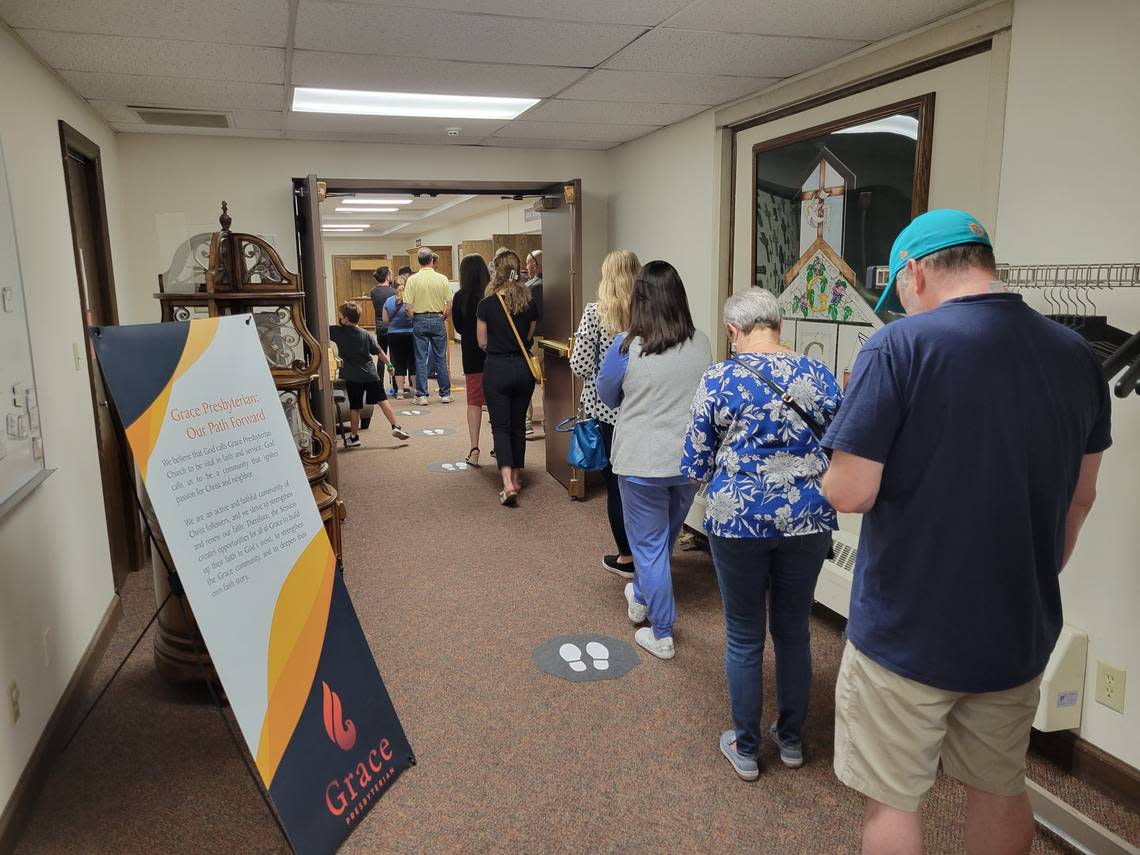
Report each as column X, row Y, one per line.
column 1069, row 290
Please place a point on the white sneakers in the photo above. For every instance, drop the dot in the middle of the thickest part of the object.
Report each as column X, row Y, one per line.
column 400, row 433
column 445, row 399
column 662, row 648
column 635, row 610
column 422, row 401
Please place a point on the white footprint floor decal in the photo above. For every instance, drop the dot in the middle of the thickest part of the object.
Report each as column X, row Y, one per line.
column 432, row 432
column 600, row 654
column 572, row 655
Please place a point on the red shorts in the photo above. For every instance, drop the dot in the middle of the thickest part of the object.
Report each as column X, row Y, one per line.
column 474, row 383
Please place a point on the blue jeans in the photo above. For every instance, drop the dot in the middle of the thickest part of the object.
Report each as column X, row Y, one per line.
column 430, row 339
column 653, row 519
column 785, row 569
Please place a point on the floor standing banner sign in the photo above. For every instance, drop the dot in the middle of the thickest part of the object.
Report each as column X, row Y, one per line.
column 212, row 444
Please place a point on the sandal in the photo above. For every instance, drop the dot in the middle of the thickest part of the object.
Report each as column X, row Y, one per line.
column 473, row 457
column 507, row 497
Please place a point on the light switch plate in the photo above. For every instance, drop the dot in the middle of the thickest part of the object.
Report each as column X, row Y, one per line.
column 7, row 299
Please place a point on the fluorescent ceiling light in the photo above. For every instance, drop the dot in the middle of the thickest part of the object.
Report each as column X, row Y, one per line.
column 362, row 103
column 344, row 225
column 377, row 200
column 342, row 231
column 359, row 210
column 906, row 126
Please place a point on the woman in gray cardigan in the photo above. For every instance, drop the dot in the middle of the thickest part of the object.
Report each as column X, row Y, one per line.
column 652, row 372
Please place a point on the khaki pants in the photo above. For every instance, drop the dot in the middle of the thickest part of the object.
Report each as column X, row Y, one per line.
column 890, row 733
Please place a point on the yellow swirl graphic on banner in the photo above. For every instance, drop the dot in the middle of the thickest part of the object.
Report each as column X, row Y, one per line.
column 142, row 433
column 296, row 638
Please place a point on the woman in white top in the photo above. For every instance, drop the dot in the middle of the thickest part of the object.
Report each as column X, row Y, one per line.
column 601, row 322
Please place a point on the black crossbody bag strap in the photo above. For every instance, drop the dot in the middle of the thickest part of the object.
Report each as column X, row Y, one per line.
column 816, row 430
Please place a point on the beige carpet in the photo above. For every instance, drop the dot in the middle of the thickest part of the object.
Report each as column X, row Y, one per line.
column 454, row 592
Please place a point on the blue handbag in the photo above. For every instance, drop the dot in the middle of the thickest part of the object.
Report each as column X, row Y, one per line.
column 586, row 448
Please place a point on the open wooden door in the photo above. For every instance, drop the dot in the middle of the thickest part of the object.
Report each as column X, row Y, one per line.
column 311, row 263
column 83, row 179
column 561, row 212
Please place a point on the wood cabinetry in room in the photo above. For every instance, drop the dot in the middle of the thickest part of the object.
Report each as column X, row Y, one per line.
column 483, row 248
column 444, row 266
column 522, row 244
column 352, row 280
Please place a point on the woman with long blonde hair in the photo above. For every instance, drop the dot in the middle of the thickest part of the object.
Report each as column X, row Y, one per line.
column 601, row 323
column 505, row 321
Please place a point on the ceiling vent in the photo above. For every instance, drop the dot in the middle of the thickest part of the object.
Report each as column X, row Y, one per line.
column 182, row 118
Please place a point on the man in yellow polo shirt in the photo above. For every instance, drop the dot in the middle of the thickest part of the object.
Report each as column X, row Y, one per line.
column 427, row 294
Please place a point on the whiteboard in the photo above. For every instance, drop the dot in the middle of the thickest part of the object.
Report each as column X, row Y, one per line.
column 21, row 442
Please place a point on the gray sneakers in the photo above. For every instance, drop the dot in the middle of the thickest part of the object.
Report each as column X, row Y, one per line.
column 635, row 610
column 747, row 768
column 791, row 756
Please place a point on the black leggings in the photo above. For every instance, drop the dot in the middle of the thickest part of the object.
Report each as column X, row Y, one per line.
column 613, row 493
column 507, row 386
column 400, row 352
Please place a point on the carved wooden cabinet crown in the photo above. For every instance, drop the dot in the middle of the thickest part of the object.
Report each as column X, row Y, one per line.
column 242, row 274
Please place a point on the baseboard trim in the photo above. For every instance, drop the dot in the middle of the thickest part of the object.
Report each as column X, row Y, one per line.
column 1072, row 826
column 58, row 728
column 1087, row 763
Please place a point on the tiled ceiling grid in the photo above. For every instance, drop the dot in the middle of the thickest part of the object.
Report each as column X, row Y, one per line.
column 607, row 71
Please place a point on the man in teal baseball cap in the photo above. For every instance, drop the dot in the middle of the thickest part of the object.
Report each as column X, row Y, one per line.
column 969, row 437
column 927, row 234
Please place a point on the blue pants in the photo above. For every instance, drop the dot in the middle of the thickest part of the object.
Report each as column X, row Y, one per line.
column 430, row 339
column 749, row 570
column 653, row 519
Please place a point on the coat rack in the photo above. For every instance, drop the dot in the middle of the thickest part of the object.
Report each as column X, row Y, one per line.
column 1070, row 290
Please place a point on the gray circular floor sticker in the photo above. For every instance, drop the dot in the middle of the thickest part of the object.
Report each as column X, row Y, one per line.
column 583, row 658
column 451, row 466
column 444, row 431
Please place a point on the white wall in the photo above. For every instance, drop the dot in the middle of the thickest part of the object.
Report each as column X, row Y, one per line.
column 505, row 220
column 175, row 178
column 53, row 547
column 662, row 207
column 1068, row 188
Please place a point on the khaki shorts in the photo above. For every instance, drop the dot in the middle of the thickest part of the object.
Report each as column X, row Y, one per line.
column 890, row 733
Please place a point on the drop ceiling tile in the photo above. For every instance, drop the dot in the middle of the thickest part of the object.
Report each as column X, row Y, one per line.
column 645, row 12
column 400, row 31
column 115, row 113
column 610, row 112
column 197, row 132
column 867, row 20
column 663, row 87
column 573, row 131
column 257, row 120
column 160, row 57
column 176, row 92
column 233, row 22
column 408, row 74
column 703, row 52
column 332, row 122
column 510, row 142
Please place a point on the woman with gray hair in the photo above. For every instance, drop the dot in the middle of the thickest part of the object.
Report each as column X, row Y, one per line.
column 754, row 436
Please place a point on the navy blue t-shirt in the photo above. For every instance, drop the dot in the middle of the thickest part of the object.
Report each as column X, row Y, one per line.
column 980, row 412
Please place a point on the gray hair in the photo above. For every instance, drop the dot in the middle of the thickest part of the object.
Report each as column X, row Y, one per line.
column 752, row 308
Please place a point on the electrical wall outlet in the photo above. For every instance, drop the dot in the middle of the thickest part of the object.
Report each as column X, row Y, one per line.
column 14, row 702
column 1110, row 684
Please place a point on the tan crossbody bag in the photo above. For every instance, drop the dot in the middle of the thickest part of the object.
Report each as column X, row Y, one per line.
column 532, row 363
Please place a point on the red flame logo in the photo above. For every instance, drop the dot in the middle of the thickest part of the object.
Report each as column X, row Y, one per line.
column 340, row 730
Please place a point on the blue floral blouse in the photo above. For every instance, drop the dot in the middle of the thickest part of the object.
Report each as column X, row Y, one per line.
column 763, row 464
